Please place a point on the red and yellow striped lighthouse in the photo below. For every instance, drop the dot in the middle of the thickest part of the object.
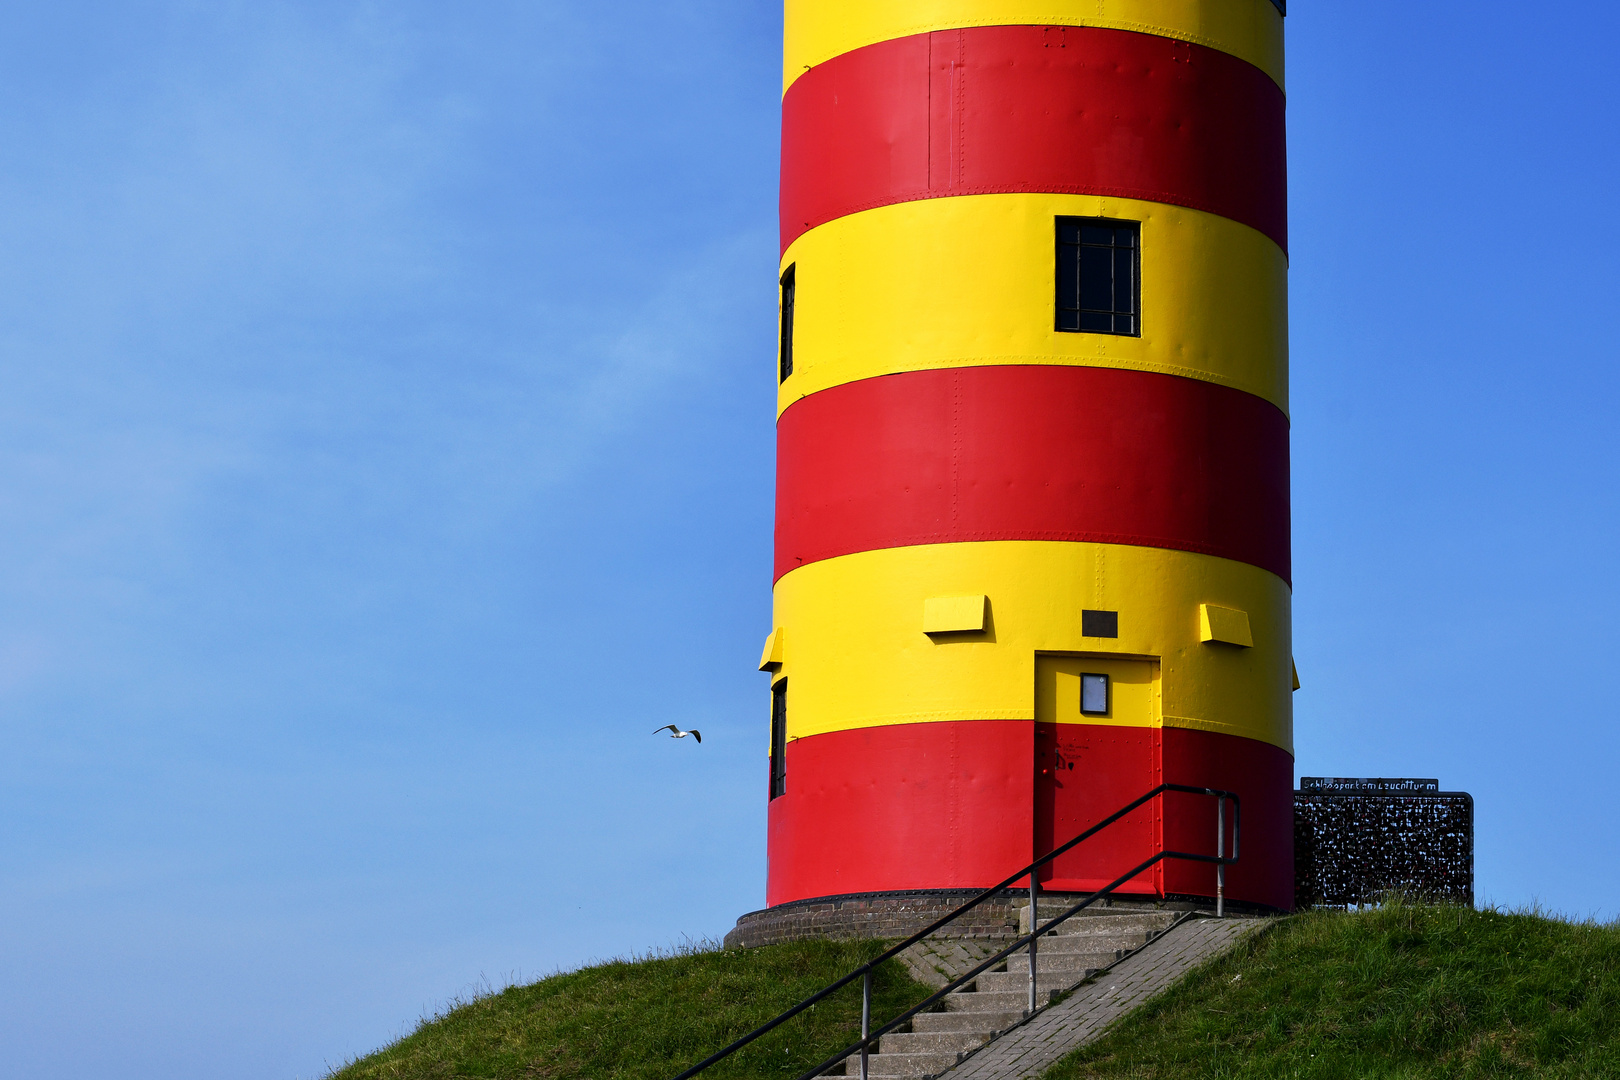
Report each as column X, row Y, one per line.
column 1032, row 533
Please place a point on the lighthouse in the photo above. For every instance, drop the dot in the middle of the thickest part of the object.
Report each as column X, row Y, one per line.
column 1032, row 503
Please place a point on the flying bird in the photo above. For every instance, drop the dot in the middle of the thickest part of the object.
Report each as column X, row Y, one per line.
column 677, row 733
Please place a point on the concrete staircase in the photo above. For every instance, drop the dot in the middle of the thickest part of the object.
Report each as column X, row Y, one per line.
column 997, row 999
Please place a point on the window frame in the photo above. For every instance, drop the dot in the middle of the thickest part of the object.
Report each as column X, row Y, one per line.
column 778, row 786
column 787, row 301
column 1061, row 249
column 1107, row 691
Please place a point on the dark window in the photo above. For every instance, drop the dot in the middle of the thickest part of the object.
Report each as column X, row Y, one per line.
column 1097, row 271
column 1099, row 623
column 785, row 351
column 779, row 739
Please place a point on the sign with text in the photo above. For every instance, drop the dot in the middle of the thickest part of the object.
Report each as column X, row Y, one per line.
column 1379, row 785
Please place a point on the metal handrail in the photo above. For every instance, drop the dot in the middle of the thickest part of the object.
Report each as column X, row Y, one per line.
column 864, row 972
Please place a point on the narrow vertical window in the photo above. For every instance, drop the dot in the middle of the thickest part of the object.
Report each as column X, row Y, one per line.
column 785, row 351
column 779, row 739
column 1098, row 267
column 1094, row 695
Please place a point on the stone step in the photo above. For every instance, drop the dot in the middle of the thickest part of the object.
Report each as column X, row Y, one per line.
column 1063, row 961
column 1087, row 943
column 961, row 1020
column 1066, row 931
column 933, row 1042
column 1097, row 953
column 1132, row 939
column 1101, row 924
column 902, row 1064
column 999, row 982
column 987, row 1001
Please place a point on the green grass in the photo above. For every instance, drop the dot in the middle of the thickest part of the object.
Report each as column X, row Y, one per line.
column 1405, row 991
column 650, row 1018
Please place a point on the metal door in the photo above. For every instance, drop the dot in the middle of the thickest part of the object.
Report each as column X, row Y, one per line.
column 1097, row 747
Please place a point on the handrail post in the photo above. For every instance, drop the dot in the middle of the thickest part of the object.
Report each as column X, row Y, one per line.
column 1220, row 855
column 866, row 1019
column 1034, row 927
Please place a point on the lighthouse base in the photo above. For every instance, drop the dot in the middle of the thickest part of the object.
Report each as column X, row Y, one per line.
column 894, row 915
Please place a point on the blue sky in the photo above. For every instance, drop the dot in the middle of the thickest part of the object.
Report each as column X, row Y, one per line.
column 385, row 448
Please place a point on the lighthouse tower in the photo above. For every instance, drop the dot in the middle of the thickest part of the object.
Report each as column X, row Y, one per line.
column 1032, row 533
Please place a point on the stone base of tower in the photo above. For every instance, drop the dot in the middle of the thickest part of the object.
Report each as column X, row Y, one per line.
column 948, row 808
column 895, row 915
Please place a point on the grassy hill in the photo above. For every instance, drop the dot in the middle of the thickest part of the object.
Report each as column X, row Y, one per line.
column 1405, row 991
column 648, row 1019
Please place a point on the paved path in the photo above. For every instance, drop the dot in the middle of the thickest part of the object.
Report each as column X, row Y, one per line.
column 1036, row 1045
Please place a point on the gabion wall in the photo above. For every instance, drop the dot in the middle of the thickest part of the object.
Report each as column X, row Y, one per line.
column 1356, row 840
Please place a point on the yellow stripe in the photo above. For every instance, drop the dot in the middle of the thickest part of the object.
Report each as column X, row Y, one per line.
column 1133, row 692
column 969, row 280
column 815, row 31
column 860, row 657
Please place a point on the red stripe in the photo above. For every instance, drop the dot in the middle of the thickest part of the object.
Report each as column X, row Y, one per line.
column 1263, row 777
column 1032, row 452
column 907, row 806
column 952, row 805
column 1028, row 108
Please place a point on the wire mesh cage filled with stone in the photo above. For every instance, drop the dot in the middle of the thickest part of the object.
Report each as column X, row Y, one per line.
column 1358, row 840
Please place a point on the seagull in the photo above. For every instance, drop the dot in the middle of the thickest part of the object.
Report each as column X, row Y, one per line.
column 677, row 733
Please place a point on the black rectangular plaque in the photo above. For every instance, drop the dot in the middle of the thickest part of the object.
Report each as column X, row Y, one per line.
column 1099, row 624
